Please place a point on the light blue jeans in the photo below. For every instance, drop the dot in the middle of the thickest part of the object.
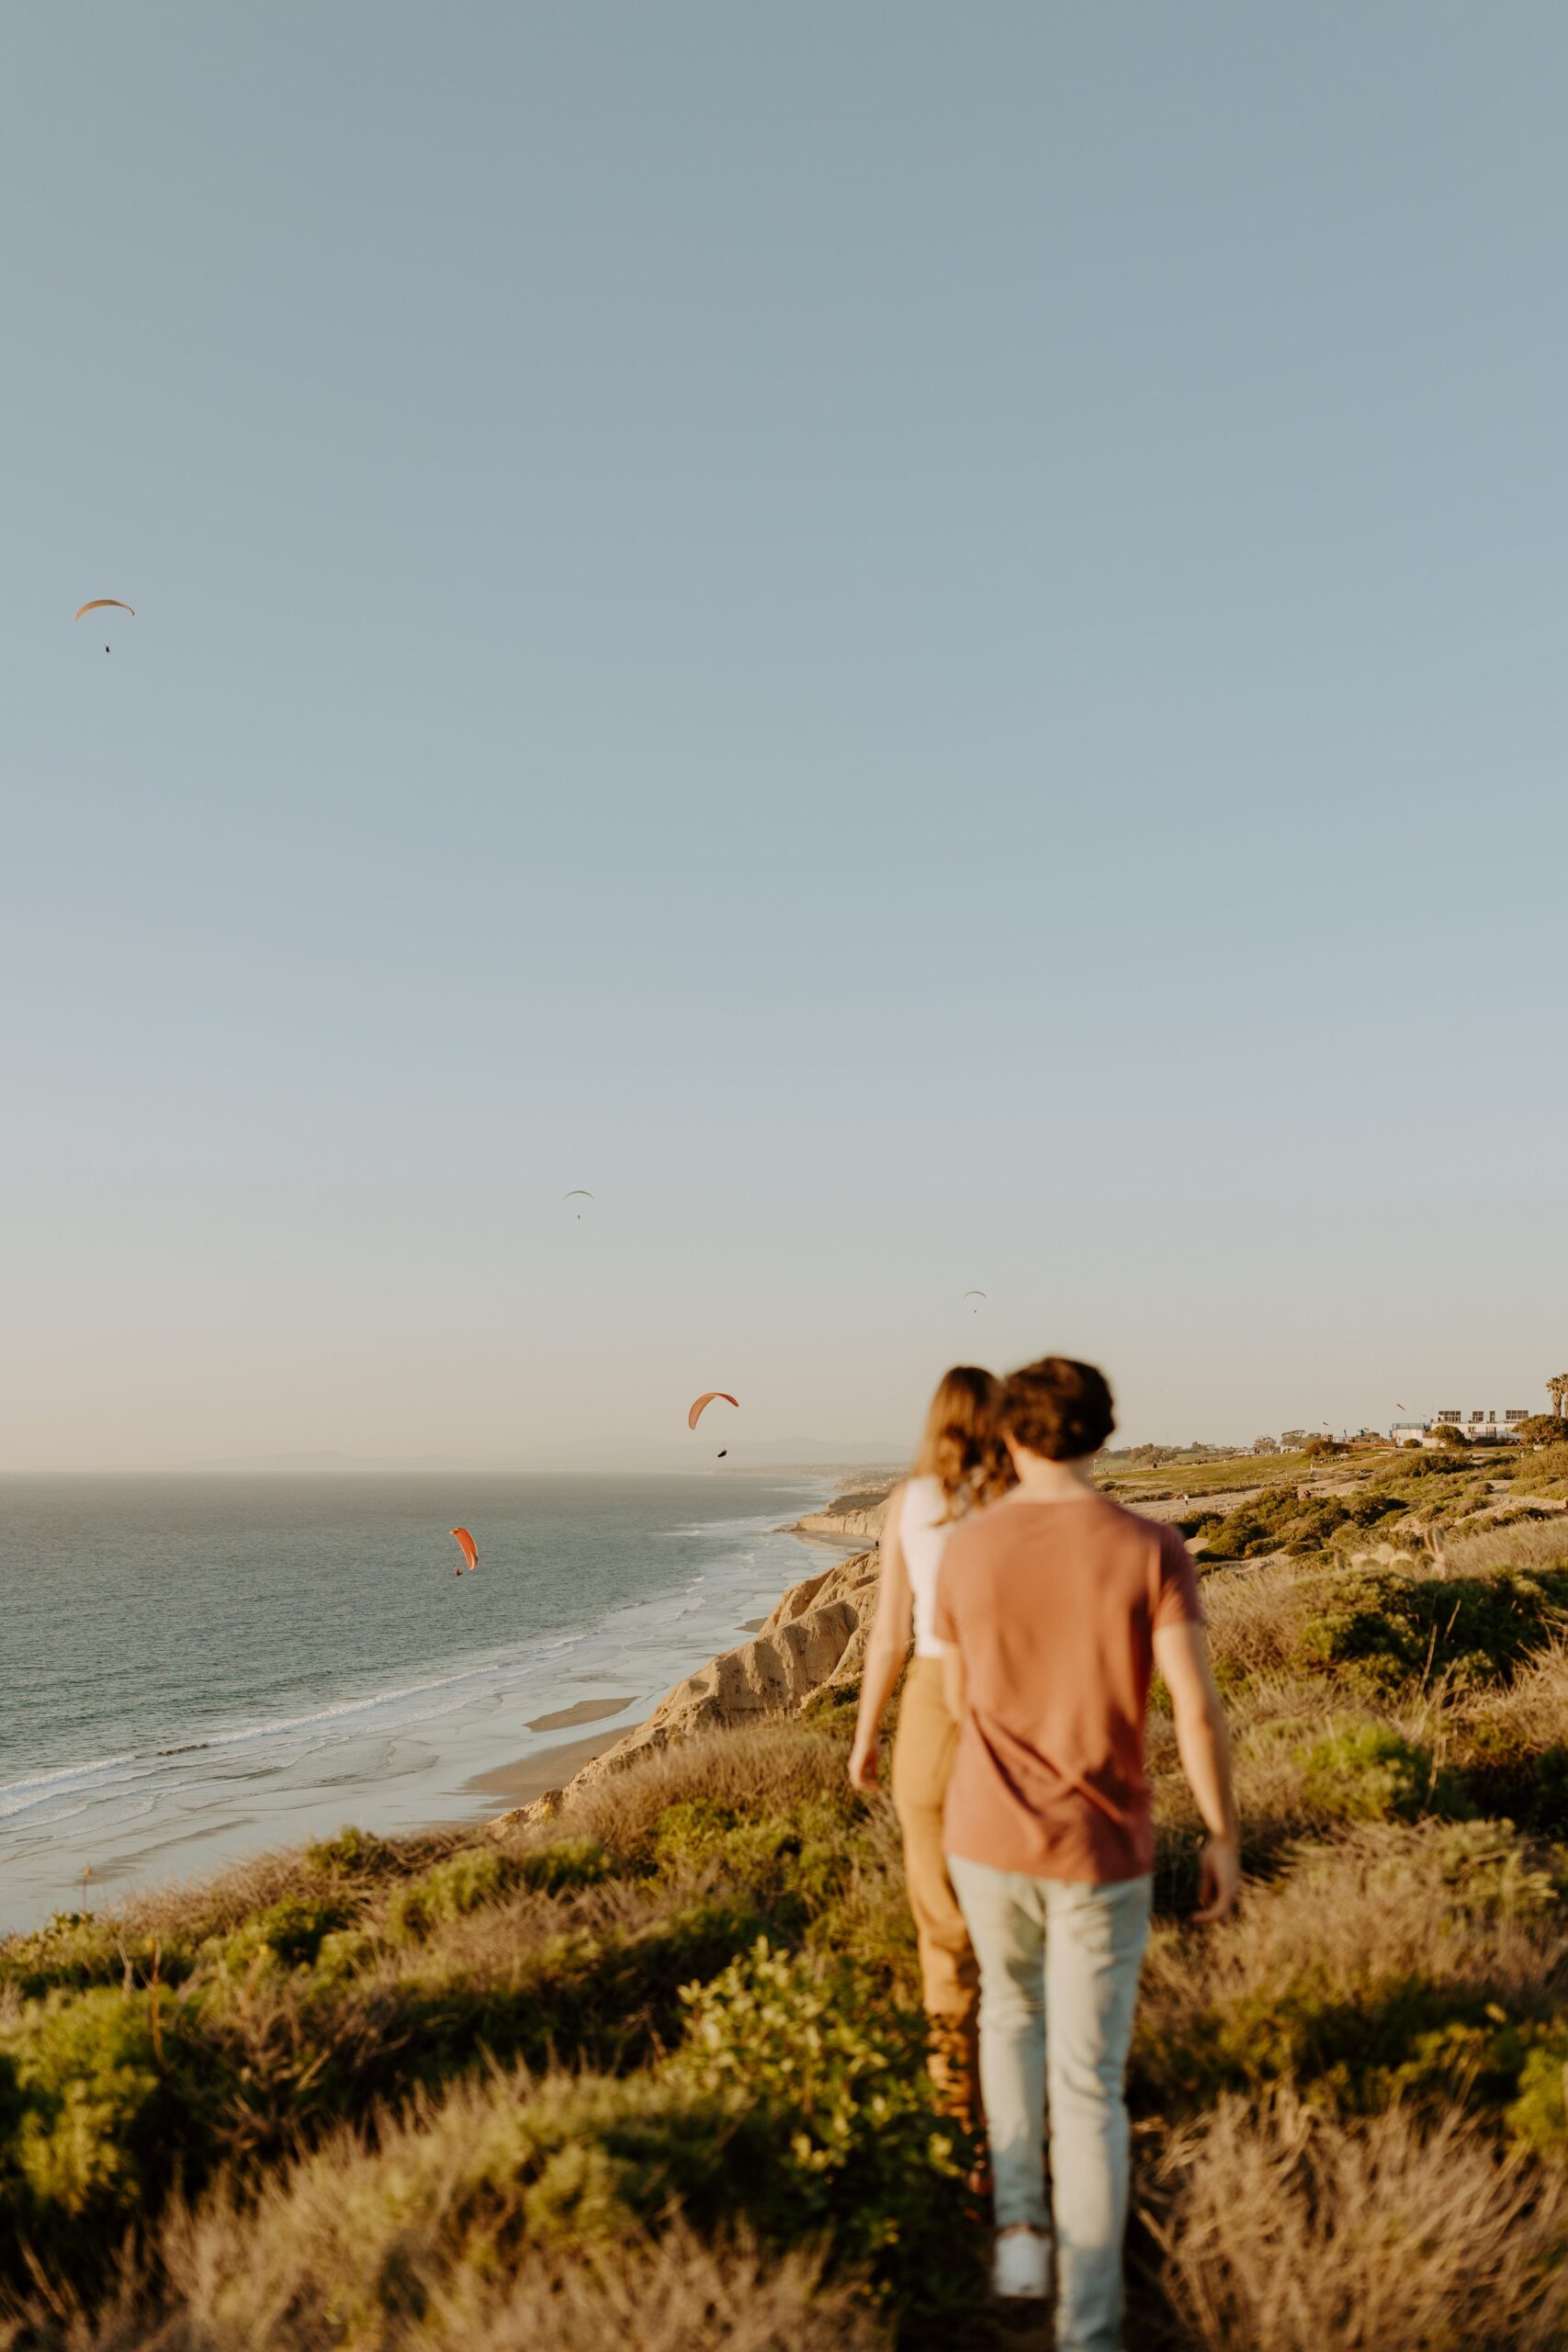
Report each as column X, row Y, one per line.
column 1059, row 1967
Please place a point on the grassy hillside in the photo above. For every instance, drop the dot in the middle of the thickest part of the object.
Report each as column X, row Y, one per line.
column 652, row 2076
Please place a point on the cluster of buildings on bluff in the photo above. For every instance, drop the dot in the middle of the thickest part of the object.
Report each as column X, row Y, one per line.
column 1483, row 1424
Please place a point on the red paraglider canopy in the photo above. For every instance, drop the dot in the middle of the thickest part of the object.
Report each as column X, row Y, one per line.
column 466, row 1545
column 710, row 1396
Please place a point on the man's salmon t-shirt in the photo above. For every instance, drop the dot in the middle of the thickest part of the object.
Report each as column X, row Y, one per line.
column 1054, row 1608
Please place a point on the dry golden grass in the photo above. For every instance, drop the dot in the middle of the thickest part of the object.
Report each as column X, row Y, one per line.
column 1287, row 2231
column 670, row 2293
column 754, row 1765
column 1464, row 1905
column 1532, row 1711
column 1524, row 1543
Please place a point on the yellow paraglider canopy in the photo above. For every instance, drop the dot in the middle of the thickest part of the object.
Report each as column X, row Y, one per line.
column 96, row 604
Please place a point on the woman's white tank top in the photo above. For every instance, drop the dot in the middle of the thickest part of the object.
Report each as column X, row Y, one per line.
column 924, row 1543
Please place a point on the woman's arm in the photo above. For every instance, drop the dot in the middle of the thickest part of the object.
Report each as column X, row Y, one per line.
column 888, row 1647
column 954, row 1687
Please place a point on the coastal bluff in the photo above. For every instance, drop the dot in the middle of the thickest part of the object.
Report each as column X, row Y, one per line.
column 854, row 1517
column 814, row 1641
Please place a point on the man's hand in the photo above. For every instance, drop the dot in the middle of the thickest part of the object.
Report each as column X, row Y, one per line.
column 863, row 1763
column 1219, row 1879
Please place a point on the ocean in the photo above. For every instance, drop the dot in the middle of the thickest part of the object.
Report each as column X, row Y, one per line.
column 194, row 1668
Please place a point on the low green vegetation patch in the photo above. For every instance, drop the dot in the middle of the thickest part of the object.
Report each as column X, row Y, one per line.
column 1379, row 1630
column 137, row 2059
column 1285, row 1520
column 1372, row 1773
column 1390, row 1632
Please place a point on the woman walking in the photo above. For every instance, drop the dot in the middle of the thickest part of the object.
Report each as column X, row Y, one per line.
column 960, row 1464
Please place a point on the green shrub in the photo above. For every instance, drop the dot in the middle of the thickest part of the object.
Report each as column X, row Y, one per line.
column 836, row 1703
column 84, row 2099
column 75, row 1949
column 858, row 2151
column 795, row 1861
column 1372, row 1773
column 1407, row 2038
column 346, row 1953
column 1542, row 1471
column 569, row 1862
column 599, row 2159
column 1381, row 1631
column 1277, row 1522
column 1511, row 1780
column 1537, row 2117
column 449, row 1890
column 1487, row 1872
column 600, row 1999
column 1413, row 1463
column 353, row 1853
column 1541, row 1428
column 290, row 1931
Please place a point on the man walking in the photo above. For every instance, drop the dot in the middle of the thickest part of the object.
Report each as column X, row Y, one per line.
column 1055, row 1607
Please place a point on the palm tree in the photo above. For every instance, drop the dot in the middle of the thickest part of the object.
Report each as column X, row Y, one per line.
column 1557, row 1389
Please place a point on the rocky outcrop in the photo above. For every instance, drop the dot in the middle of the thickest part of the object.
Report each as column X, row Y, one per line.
column 854, row 1516
column 843, row 1526
column 814, row 1641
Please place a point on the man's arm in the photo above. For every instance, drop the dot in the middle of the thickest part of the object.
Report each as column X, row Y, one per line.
column 886, row 1650
column 1203, row 1740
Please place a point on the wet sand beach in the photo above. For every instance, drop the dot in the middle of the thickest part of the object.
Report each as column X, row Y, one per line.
column 531, row 1776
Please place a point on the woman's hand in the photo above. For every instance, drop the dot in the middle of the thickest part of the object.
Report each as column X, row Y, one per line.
column 864, row 1762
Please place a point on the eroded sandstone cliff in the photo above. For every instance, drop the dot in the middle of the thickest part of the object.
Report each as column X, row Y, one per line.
column 815, row 1640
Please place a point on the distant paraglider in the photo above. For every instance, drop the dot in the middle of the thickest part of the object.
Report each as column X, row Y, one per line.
column 103, row 604
column 710, row 1396
column 466, row 1545
column 974, row 1293
column 580, row 1193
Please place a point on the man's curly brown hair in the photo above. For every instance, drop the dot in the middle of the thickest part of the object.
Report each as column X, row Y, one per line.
column 1057, row 1408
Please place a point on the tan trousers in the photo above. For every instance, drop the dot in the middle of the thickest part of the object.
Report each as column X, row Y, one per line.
column 950, row 1974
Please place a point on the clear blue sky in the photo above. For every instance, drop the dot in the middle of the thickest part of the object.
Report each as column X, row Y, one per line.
column 925, row 644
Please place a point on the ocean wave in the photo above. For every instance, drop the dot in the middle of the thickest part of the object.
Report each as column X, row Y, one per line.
column 62, row 1773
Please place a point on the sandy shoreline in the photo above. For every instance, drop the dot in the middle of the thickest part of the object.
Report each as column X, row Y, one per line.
column 521, row 1782
column 529, row 1778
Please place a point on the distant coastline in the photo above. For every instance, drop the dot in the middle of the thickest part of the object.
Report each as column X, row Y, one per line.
column 329, row 1668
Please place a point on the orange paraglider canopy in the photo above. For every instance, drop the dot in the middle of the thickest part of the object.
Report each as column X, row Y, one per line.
column 466, row 1545
column 710, row 1396
column 96, row 604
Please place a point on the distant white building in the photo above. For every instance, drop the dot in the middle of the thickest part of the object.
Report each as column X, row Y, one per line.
column 1486, row 1424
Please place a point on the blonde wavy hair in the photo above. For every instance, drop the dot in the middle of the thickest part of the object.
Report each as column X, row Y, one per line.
column 960, row 1445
